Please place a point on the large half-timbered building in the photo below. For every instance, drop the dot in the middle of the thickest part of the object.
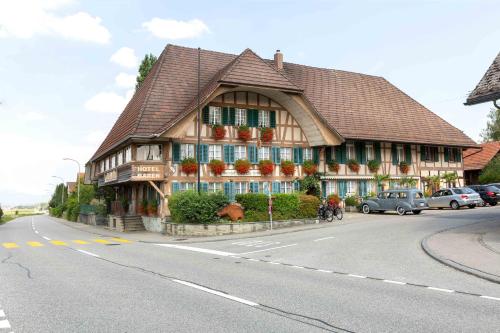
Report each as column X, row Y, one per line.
column 317, row 116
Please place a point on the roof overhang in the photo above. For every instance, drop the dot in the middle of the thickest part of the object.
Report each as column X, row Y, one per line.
column 491, row 97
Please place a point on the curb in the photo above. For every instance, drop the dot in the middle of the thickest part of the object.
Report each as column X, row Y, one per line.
column 453, row 264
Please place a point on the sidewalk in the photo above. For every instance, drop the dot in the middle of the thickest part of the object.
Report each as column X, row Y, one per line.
column 154, row 237
column 473, row 249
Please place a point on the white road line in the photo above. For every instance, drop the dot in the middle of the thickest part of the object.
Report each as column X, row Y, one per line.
column 320, row 239
column 441, row 289
column 45, row 237
column 215, row 292
column 2, row 314
column 274, row 263
column 297, row 266
column 357, row 276
column 4, row 323
column 394, row 282
column 251, row 259
column 324, row 271
column 36, row 231
column 271, row 248
column 492, row 298
column 88, row 253
column 198, row 249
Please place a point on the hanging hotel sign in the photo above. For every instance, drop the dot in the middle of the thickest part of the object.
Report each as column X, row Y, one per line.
column 147, row 172
column 110, row 176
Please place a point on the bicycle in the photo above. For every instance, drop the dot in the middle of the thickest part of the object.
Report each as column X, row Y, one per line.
column 327, row 211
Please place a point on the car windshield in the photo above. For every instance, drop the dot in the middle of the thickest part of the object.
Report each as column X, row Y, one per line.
column 464, row 190
column 491, row 188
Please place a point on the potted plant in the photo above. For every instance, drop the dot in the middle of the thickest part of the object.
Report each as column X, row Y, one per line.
column 334, row 166
column 244, row 133
column 404, row 167
column 217, row 167
column 266, row 134
column 333, row 199
column 218, row 132
column 287, row 168
column 353, row 165
column 125, row 204
column 242, row 166
column 189, row 166
column 266, row 167
column 373, row 166
column 143, row 206
column 309, row 167
column 152, row 207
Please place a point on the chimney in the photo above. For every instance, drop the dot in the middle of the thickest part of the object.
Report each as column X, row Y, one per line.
column 278, row 60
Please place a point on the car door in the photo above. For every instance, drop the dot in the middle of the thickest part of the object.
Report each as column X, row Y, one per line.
column 434, row 199
column 446, row 197
column 391, row 201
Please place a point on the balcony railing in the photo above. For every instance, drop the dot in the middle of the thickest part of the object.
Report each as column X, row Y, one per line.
column 133, row 171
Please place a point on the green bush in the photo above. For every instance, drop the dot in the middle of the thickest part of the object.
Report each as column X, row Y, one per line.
column 1, row 213
column 491, row 173
column 253, row 216
column 256, row 202
column 308, row 206
column 191, row 207
column 351, row 201
column 310, row 185
column 286, row 205
column 73, row 208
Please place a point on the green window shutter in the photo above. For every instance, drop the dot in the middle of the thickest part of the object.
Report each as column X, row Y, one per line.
column 276, row 187
column 229, row 191
column 316, row 155
column 436, row 154
column 232, row 116
column 276, row 158
column 175, row 187
column 255, row 118
column 272, row 119
column 205, row 115
column 459, row 155
column 176, row 152
column 378, row 152
column 204, row 153
column 408, row 154
column 362, row 188
column 298, row 155
column 394, row 153
column 229, row 154
column 254, row 187
column 360, row 152
column 296, row 186
column 328, row 154
column 253, row 156
column 446, row 154
column 342, row 153
column 342, row 188
column 203, row 187
column 323, row 189
column 422, row 153
column 225, row 116
column 249, row 118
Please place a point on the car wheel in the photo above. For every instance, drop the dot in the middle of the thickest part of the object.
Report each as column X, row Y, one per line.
column 472, row 206
column 416, row 212
column 401, row 211
column 454, row 205
column 494, row 203
column 365, row 209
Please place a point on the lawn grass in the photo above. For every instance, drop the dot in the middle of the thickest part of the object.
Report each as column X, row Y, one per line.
column 11, row 214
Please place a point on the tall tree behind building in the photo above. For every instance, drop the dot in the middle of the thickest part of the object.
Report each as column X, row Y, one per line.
column 146, row 65
column 492, row 130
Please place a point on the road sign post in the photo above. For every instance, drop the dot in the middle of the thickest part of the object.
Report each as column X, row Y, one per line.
column 270, row 207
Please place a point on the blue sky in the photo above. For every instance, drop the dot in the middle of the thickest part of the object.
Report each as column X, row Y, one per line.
column 67, row 66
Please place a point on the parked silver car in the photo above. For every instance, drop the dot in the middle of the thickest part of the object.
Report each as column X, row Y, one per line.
column 401, row 200
column 454, row 198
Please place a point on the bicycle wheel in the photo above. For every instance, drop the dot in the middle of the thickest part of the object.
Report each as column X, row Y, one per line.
column 338, row 214
column 329, row 215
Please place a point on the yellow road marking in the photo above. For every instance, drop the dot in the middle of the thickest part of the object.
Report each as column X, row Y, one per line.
column 102, row 241
column 10, row 245
column 77, row 241
column 121, row 240
column 57, row 242
column 35, row 244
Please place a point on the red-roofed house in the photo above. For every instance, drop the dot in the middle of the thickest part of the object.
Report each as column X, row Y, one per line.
column 475, row 159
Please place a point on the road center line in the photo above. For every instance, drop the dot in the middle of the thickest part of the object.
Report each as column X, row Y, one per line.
column 88, row 253
column 357, row 276
column 4, row 323
column 198, row 249
column 394, row 282
column 215, row 292
column 271, row 248
column 320, row 239
column 492, row 298
column 441, row 289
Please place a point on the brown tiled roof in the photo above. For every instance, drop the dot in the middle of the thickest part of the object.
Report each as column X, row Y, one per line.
column 357, row 106
column 477, row 158
column 488, row 89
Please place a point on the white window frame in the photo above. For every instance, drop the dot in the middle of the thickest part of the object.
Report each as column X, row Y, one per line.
column 240, row 117
column 264, row 153
column 214, row 187
column 286, row 187
column 214, row 115
column 102, row 166
column 112, row 161
column 331, row 187
column 187, row 150
column 369, row 151
column 286, row 153
column 128, row 154
column 214, row 152
column 142, row 155
column 264, row 118
column 119, row 158
column 350, row 151
column 186, row 186
column 240, row 187
column 400, row 150
column 240, row 152
column 307, row 154
column 351, row 187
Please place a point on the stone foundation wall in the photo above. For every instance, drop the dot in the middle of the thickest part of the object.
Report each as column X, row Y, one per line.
column 154, row 224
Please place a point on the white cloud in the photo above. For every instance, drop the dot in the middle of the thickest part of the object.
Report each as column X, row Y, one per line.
column 28, row 18
column 125, row 57
column 32, row 116
column 125, row 80
column 108, row 102
column 173, row 29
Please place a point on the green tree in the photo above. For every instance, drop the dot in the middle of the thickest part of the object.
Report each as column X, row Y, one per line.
column 379, row 180
column 492, row 130
column 144, row 69
column 491, row 172
column 449, row 178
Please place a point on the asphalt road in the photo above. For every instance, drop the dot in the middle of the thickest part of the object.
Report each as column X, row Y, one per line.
column 367, row 276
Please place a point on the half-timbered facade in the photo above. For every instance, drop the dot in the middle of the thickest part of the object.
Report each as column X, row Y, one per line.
column 316, row 116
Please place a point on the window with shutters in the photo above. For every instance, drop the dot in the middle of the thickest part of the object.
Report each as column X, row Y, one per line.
column 429, row 153
column 453, row 155
column 240, row 117
column 350, row 151
column 149, row 153
column 286, row 154
column 370, row 153
column 186, row 187
column 128, row 154
column 214, row 115
column 307, row 154
column 400, row 153
column 240, row 187
column 240, row 152
column 187, row 150
column 264, row 187
column 330, row 187
column 286, row 187
column 264, row 118
column 264, row 153
column 214, row 187
column 214, row 152
column 351, row 187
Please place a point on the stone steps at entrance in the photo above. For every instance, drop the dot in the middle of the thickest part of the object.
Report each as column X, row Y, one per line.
column 126, row 223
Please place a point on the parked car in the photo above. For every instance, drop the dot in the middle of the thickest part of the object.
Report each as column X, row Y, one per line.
column 497, row 185
column 401, row 200
column 454, row 198
column 489, row 194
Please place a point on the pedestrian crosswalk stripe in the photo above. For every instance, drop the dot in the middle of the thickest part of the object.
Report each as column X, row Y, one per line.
column 102, row 241
column 10, row 245
column 35, row 244
column 121, row 240
column 57, row 242
column 77, row 241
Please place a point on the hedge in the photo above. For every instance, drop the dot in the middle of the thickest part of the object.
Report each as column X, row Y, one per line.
column 191, row 207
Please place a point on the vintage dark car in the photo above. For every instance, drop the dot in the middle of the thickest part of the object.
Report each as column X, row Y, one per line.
column 401, row 200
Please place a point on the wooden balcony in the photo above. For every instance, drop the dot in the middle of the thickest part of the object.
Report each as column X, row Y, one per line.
column 138, row 171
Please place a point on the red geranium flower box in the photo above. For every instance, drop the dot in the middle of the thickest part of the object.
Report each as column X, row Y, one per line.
column 218, row 132
column 244, row 133
column 288, row 168
column 266, row 134
column 309, row 167
column 217, row 167
column 189, row 166
column 266, row 167
column 242, row 166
